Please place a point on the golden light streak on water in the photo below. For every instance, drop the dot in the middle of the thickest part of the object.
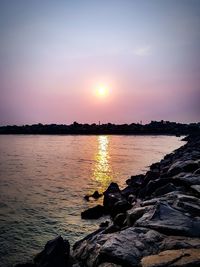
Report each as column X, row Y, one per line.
column 103, row 173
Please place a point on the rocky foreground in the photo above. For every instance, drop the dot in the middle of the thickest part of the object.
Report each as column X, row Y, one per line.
column 155, row 220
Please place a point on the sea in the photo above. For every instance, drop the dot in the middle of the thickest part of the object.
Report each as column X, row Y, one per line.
column 44, row 178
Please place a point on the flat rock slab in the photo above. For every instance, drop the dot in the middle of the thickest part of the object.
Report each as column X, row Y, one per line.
column 130, row 245
column 165, row 219
column 173, row 258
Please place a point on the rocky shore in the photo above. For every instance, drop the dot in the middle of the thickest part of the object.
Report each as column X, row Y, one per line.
column 154, row 221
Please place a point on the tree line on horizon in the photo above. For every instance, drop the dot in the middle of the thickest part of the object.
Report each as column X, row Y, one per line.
column 154, row 127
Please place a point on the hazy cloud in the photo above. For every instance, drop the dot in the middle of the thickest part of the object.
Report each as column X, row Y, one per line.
column 144, row 50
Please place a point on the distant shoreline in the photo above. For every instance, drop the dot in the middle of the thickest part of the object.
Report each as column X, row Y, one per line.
column 153, row 128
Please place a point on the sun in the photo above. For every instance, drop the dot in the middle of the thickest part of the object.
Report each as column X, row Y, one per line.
column 102, row 91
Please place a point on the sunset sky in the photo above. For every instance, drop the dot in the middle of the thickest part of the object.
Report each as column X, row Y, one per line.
column 110, row 61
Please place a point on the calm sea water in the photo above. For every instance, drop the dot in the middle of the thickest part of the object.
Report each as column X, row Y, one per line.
column 43, row 180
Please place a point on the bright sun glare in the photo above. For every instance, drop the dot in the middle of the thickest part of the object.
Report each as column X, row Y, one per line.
column 102, row 91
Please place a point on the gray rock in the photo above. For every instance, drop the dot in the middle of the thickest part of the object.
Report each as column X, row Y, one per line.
column 168, row 220
column 196, row 188
column 191, row 208
column 182, row 166
column 187, row 179
column 55, row 253
column 165, row 189
column 197, row 171
column 120, row 219
column 120, row 206
column 126, row 247
column 134, row 214
column 129, row 246
column 111, row 196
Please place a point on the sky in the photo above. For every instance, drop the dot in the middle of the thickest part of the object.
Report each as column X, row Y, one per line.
column 56, row 54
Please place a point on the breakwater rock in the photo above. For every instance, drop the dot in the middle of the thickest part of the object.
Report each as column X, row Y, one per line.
column 154, row 221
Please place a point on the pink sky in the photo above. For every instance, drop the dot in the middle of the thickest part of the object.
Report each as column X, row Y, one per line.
column 55, row 54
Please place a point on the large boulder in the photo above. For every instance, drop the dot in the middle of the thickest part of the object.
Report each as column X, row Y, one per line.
column 124, row 248
column 168, row 220
column 112, row 195
column 56, row 253
column 127, row 247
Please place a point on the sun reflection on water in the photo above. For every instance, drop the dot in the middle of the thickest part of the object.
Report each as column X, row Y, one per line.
column 102, row 172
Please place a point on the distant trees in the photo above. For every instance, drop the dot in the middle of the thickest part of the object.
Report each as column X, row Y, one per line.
column 154, row 127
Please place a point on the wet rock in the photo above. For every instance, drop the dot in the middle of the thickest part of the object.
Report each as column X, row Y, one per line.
column 87, row 197
column 93, row 213
column 55, row 253
column 111, row 196
column 168, row 220
column 112, row 188
column 173, row 258
column 95, row 195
